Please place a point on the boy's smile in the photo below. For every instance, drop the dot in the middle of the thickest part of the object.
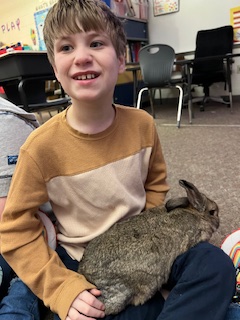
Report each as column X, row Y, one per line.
column 86, row 76
column 87, row 66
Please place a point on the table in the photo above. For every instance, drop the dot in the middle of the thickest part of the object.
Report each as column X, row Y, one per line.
column 16, row 67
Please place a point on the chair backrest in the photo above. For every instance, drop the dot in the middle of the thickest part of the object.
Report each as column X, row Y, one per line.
column 212, row 42
column 156, row 63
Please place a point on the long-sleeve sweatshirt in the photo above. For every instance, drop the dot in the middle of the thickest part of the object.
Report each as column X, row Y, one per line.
column 92, row 181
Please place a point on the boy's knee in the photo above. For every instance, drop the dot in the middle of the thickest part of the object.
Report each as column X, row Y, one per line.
column 205, row 261
column 214, row 262
column 220, row 260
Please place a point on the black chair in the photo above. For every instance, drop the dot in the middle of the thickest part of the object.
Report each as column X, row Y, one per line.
column 156, row 63
column 209, row 66
column 34, row 97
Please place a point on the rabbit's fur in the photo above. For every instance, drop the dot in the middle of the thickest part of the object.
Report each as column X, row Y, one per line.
column 131, row 261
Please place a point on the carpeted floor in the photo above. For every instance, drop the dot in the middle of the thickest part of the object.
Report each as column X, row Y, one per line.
column 205, row 153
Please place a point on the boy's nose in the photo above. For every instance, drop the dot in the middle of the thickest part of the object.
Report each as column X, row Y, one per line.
column 82, row 55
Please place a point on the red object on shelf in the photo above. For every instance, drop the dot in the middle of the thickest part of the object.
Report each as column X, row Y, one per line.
column 16, row 46
column 2, row 51
column 1, row 90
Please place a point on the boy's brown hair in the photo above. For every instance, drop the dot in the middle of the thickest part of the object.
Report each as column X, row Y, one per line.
column 73, row 16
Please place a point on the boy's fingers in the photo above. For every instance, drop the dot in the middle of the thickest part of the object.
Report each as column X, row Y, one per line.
column 73, row 314
column 90, row 298
column 86, row 304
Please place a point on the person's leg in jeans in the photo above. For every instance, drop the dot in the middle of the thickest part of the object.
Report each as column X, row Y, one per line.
column 6, row 275
column 233, row 312
column 20, row 303
column 149, row 311
column 202, row 284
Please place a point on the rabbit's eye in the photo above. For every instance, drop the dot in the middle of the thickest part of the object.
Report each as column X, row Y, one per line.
column 211, row 212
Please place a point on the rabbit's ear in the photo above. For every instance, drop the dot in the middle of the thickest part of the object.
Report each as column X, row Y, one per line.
column 197, row 199
column 172, row 204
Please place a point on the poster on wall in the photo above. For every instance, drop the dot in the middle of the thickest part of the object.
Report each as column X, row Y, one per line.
column 161, row 7
column 235, row 22
column 39, row 18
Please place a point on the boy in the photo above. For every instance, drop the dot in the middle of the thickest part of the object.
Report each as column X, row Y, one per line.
column 97, row 164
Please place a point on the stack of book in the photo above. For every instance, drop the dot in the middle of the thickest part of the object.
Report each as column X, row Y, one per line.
column 130, row 8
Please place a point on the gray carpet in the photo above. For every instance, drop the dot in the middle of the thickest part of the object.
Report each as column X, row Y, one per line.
column 207, row 154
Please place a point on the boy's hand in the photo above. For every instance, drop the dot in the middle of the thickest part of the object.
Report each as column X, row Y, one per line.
column 86, row 306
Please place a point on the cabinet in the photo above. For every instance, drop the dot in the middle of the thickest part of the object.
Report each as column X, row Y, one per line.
column 135, row 29
column 137, row 36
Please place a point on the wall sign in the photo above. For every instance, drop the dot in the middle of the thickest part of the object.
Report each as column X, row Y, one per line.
column 39, row 18
column 161, row 7
column 235, row 22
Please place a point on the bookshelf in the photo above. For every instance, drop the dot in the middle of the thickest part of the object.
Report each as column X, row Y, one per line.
column 137, row 36
column 134, row 14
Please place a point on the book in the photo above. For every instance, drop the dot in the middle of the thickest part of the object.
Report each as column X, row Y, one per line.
column 130, row 10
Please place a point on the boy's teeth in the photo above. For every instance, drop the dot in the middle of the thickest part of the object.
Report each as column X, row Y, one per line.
column 86, row 76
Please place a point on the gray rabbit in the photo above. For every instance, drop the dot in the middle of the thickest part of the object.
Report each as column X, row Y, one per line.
column 131, row 261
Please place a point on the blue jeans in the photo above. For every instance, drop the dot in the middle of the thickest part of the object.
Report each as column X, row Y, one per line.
column 202, row 283
column 233, row 312
column 6, row 275
column 20, row 303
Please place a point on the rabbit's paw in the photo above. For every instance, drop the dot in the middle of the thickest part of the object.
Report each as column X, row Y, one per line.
column 116, row 302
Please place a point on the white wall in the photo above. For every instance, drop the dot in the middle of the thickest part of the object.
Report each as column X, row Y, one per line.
column 179, row 29
column 17, row 22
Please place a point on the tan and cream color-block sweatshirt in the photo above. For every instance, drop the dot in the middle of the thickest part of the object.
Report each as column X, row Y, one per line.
column 92, row 181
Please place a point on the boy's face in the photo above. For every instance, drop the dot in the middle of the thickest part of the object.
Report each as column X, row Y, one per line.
column 87, row 66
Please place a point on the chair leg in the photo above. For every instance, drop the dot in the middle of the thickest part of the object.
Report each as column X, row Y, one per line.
column 229, row 83
column 151, row 102
column 180, row 101
column 231, row 102
column 160, row 95
column 140, row 97
column 41, row 117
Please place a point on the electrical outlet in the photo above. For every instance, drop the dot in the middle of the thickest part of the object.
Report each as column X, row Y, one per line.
column 238, row 68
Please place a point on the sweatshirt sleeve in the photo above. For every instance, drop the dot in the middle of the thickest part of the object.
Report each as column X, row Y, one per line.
column 156, row 185
column 24, row 247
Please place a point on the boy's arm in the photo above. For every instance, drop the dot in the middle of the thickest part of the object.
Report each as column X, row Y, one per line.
column 156, row 185
column 2, row 205
column 24, row 247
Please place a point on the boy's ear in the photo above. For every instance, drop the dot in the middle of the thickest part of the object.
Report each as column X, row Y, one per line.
column 122, row 65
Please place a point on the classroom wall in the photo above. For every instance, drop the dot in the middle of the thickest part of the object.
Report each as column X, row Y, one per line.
column 20, row 21
column 179, row 29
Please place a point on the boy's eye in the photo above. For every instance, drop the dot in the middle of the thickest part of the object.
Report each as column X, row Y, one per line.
column 96, row 44
column 66, row 48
